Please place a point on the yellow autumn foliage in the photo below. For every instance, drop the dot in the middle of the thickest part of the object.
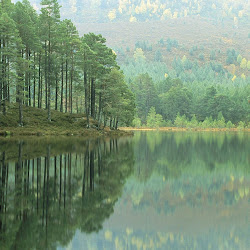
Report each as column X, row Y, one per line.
column 139, row 54
column 167, row 13
column 243, row 76
column 112, row 14
column 234, row 77
column 241, row 13
column 175, row 15
column 132, row 19
column 243, row 63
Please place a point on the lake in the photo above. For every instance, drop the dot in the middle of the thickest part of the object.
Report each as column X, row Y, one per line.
column 156, row 190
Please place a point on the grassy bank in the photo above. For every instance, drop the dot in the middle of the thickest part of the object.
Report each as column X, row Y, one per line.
column 35, row 123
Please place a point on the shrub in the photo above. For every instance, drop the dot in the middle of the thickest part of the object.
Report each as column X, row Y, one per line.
column 193, row 123
column 241, row 125
column 136, row 122
column 180, row 121
column 208, row 123
column 201, row 57
column 212, row 55
column 229, row 124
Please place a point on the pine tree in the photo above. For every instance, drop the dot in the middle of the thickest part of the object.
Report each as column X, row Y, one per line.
column 50, row 15
column 10, row 41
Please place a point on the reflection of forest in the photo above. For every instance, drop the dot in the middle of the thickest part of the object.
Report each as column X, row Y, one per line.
column 189, row 191
column 194, row 169
column 73, row 185
column 170, row 154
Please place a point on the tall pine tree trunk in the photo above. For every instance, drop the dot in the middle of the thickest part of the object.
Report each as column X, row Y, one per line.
column 1, row 76
column 4, row 86
column 77, row 105
column 92, row 98
column 99, row 110
column 41, row 92
column 46, row 76
column 49, row 80
column 66, row 87
column 39, row 82
column 71, row 91
column 116, row 124
column 29, row 80
column 34, row 80
column 8, row 81
column 20, row 96
column 61, row 107
column 86, row 88
column 56, row 101
column 26, row 83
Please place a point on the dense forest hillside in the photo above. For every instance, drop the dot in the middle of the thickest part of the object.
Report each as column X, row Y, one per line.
column 204, row 37
column 180, row 66
column 143, row 10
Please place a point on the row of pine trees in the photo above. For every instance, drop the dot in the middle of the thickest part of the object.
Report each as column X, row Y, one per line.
column 44, row 63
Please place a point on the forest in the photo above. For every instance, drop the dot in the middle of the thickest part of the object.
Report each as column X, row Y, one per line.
column 175, row 85
column 47, row 65
column 204, row 100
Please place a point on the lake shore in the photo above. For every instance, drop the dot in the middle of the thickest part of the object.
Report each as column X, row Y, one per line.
column 84, row 132
column 184, row 129
column 35, row 123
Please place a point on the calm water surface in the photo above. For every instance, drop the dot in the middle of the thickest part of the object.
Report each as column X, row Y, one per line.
column 156, row 190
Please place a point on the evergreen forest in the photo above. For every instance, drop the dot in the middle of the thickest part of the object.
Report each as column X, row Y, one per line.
column 189, row 95
column 47, row 65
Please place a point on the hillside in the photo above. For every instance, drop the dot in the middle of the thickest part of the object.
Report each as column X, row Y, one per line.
column 204, row 33
column 100, row 11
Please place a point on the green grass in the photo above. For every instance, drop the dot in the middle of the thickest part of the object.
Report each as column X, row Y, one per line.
column 35, row 122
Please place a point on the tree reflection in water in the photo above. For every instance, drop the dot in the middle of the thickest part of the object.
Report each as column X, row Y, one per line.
column 51, row 188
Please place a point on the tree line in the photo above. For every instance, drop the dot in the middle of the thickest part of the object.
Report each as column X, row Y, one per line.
column 175, row 103
column 44, row 63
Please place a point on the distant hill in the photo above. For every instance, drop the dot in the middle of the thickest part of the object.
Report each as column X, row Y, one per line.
column 202, row 35
column 100, row 11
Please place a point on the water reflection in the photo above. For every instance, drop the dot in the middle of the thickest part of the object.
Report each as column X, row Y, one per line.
column 189, row 190
column 51, row 188
column 158, row 190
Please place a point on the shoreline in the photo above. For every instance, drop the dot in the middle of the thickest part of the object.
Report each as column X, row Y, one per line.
column 176, row 129
column 94, row 133
column 106, row 132
column 84, row 132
